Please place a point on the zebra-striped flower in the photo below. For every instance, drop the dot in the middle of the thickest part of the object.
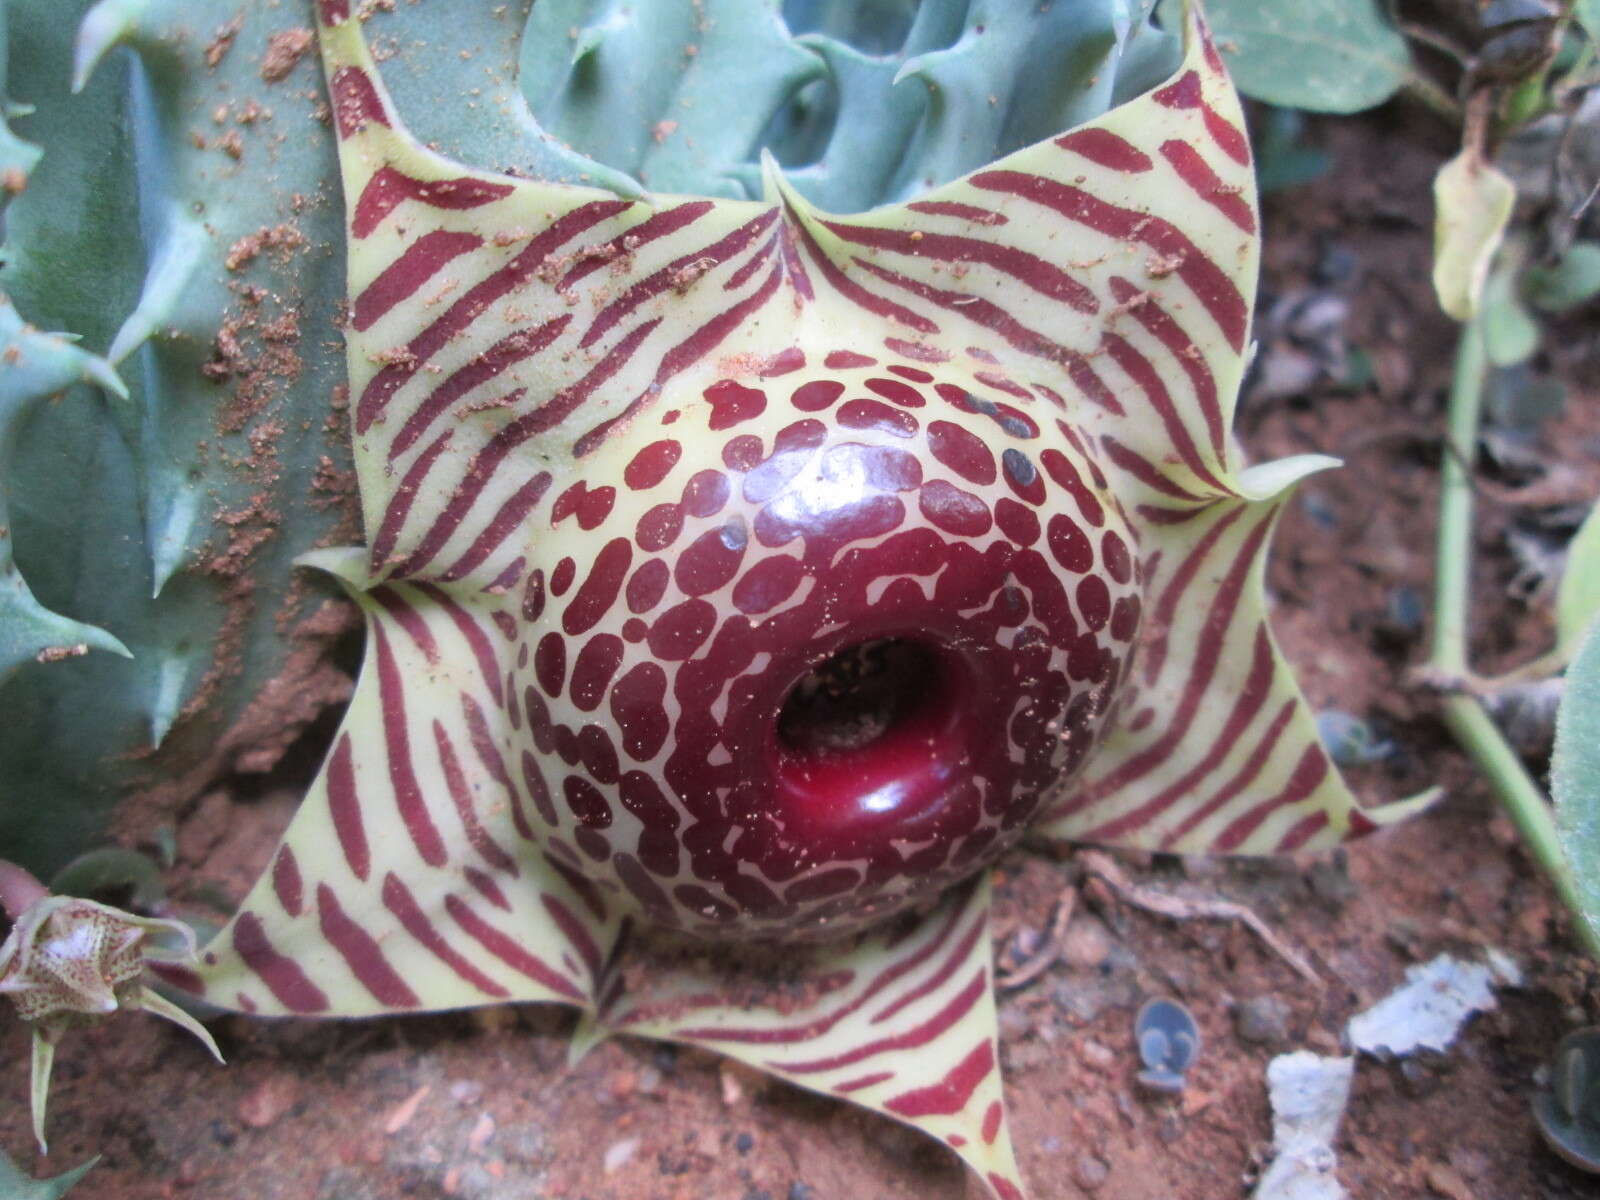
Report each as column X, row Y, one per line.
column 743, row 576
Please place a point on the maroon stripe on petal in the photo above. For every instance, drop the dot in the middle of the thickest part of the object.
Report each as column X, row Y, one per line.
column 1027, row 269
column 575, row 931
column 475, row 637
column 1209, row 282
column 950, row 1095
column 873, row 303
column 455, row 782
column 487, row 888
column 961, row 212
column 397, row 741
column 863, row 1081
column 417, row 264
column 344, row 806
column 668, row 277
column 663, row 224
column 1171, row 335
column 1307, row 776
column 286, row 883
column 517, row 346
column 388, row 188
column 355, row 101
column 489, row 755
column 1247, row 706
column 282, row 975
column 403, row 614
column 508, row 950
column 1303, row 831
column 1144, row 470
column 959, row 1005
column 360, row 950
column 1148, row 380
column 1106, row 149
column 398, row 899
column 399, row 508
column 1207, row 185
column 952, row 964
column 1242, row 778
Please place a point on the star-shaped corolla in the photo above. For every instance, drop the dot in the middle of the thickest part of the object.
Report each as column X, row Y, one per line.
column 742, row 580
column 69, row 960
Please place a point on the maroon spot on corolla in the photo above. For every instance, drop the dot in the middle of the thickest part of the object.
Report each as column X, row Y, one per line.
column 1064, row 473
column 1084, row 659
column 783, row 362
column 659, row 527
column 893, row 389
column 914, row 374
column 705, row 494
column 550, row 663
column 953, row 510
column 600, row 587
column 644, row 889
column 742, row 453
column 566, row 740
column 1125, row 618
column 538, row 790
column 877, row 416
column 1015, row 422
column 561, row 578
column 1094, row 602
column 1069, row 544
column 1022, row 477
column 634, row 630
column 811, row 888
column 732, row 404
column 1114, row 552
column 533, row 596
column 590, row 507
column 598, row 755
column 681, row 630
column 916, row 350
column 586, row 802
column 597, row 662
column 1019, row 524
column 792, row 449
column 652, row 464
column 841, row 360
column 711, row 560
column 539, row 723
column 767, row 584
column 828, row 526
column 816, row 395
column 753, row 896
column 648, row 585
column 592, row 842
column 962, row 451
column 637, row 704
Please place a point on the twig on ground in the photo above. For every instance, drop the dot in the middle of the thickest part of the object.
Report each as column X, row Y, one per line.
column 1048, row 950
column 1100, row 865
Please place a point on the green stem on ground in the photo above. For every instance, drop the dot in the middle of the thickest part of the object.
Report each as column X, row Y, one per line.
column 1465, row 715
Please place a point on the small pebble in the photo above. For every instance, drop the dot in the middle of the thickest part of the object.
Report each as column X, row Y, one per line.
column 744, row 1143
column 1262, row 1020
column 263, row 1104
column 801, row 1191
column 618, row 1154
column 1087, row 943
column 1096, row 1056
column 1090, row 1172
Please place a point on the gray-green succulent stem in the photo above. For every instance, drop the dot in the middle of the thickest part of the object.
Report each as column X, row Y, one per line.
column 1521, row 798
column 19, row 890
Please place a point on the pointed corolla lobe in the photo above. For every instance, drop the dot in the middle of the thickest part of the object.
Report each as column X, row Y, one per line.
column 742, row 571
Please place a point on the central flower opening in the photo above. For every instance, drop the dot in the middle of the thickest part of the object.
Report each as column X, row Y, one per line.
column 871, row 740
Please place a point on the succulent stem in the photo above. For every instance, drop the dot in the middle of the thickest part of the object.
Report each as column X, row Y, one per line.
column 1464, row 714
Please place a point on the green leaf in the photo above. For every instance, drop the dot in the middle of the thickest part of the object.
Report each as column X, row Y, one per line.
column 1472, row 203
column 1578, row 600
column 1337, row 56
column 1587, row 14
column 1572, row 281
column 16, row 1185
column 1575, row 774
column 1510, row 333
column 94, row 874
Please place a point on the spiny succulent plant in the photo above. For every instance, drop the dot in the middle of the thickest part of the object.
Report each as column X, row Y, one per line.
column 739, row 575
